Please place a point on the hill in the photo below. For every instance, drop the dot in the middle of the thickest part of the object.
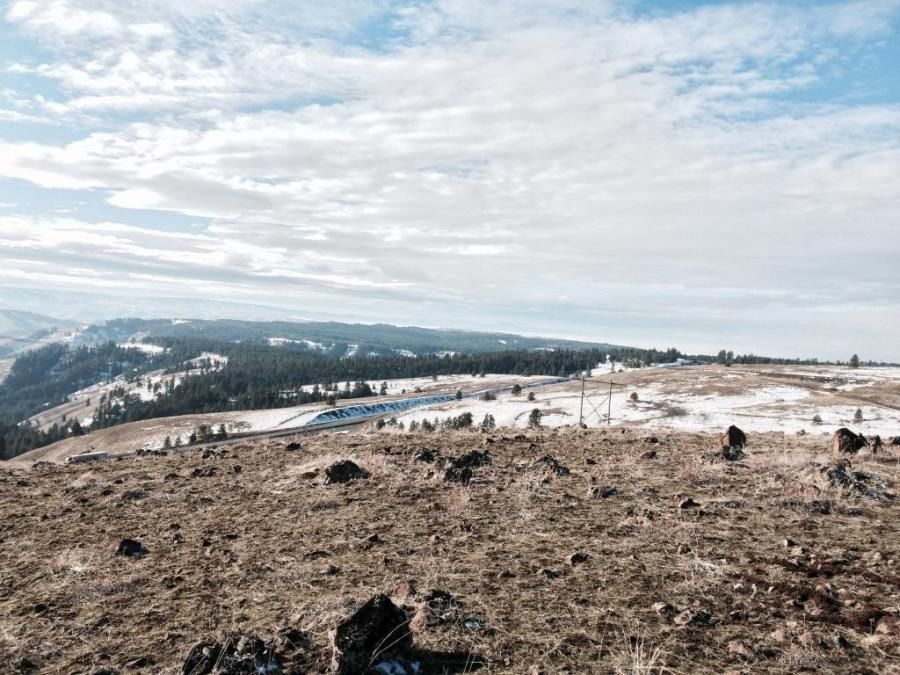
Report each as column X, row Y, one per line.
column 567, row 551
column 20, row 329
column 329, row 338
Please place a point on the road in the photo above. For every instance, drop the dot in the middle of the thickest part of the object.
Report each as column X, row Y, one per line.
column 353, row 415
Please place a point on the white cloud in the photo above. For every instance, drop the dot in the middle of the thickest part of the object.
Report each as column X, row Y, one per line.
column 574, row 158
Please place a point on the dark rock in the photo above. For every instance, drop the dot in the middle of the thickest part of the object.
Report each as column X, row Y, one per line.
column 344, row 472
column 604, row 492
column 653, row 440
column 25, row 666
column 203, row 472
column 131, row 548
column 577, row 558
column 236, row 468
column 649, row 454
column 426, row 456
column 845, row 442
column 472, row 460
column 22, row 483
column 727, row 454
column 293, row 446
column 733, row 438
column 462, row 476
column 376, row 630
column 688, row 503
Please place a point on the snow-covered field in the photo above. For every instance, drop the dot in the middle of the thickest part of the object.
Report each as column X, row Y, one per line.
column 703, row 399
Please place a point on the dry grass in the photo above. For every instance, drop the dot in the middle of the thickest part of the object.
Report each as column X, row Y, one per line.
column 247, row 551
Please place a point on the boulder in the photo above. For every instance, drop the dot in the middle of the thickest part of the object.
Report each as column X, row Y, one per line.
column 131, row 548
column 845, row 442
column 733, row 438
column 344, row 472
column 375, row 631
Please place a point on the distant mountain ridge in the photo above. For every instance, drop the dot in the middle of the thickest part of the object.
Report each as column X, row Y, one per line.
column 328, row 337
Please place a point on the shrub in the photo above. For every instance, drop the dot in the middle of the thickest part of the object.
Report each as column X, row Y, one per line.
column 534, row 419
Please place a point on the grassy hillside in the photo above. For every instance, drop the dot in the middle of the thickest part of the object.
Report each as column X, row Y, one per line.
column 569, row 551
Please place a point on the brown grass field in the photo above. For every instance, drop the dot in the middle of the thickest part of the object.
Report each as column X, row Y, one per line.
column 778, row 567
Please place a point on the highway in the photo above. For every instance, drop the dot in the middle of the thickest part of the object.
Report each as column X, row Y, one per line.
column 353, row 415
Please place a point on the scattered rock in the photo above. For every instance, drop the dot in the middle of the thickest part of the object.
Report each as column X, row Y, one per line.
column 462, row 476
column 131, row 548
column 22, row 483
column 688, row 503
column 237, row 655
column 330, row 571
column 426, row 456
column 604, row 492
column 664, row 609
column 139, row 662
column 236, row 468
column 472, row 624
column 740, row 648
column 375, row 632
column 439, row 607
column 293, row 446
column 460, row 470
column 727, row 454
column 690, row 617
column 649, row 454
column 404, row 590
column 577, row 558
column 549, row 573
column 778, row 636
column 203, row 472
column 344, row 472
column 855, row 483
column 550, row 466
column 653, row 440
column 26, row 666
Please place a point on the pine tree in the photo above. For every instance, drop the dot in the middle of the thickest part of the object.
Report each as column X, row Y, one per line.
column 854, row 361
column 534, row 419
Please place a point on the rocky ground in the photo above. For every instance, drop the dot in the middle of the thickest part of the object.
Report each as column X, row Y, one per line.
column 566, row 551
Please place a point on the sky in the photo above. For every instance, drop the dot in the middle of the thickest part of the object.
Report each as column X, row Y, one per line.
column 703, row 175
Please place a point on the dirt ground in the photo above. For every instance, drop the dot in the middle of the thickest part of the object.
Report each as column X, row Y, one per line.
column 690, row 564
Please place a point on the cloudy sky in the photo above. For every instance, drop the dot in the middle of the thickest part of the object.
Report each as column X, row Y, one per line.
column 698, row 174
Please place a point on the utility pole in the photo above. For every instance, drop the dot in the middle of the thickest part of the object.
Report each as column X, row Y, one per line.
column 581, row 409
column 609, row 405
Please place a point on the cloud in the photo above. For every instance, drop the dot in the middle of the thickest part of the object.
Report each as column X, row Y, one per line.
column 578, row 159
